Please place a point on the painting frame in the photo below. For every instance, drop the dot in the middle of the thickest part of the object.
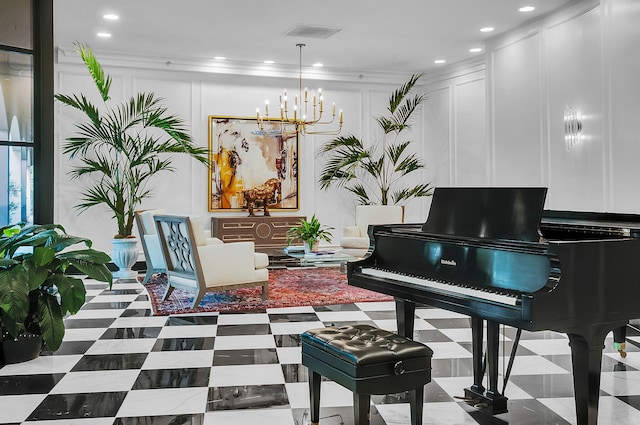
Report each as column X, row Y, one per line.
column 241, row 159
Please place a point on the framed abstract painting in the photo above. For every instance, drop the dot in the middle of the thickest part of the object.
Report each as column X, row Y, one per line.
column 244, row 160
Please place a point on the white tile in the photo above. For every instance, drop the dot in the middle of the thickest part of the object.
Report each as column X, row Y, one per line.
column 455, row 385
column 140, row 305
column 250, row 417
column 289, row 355
column 290, row 310
column 448, row 350
column 178, row 359
column 331, row 395
column 342, row 316
column 110, row 313
column 610, row 410
column 127, row 285
column 620, row 384
column 437, row 313
column 96, row 381
column 377, row 306
column 387, row 324
column 83, row 334
column 120, row 346
column 294, row 328
column 167, row 401
column 139, row 322
column 16, row 408
column 298, row 394
column 42, row 364
column 534, row 365
column 545, row 347
column 116, row 298
column 255, row 374
column 77, row 421
column 236, row 342
column 458, row 335
column 188, row 331
column 242, row 319
column 441, row 413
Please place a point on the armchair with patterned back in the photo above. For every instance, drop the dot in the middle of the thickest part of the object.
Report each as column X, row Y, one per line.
column 202, row 265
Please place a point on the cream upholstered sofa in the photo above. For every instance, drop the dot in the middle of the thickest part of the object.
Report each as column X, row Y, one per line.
column 199, row 264
column 355, row 240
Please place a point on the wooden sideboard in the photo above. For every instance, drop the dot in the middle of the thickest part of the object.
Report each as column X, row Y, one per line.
column 265, row 232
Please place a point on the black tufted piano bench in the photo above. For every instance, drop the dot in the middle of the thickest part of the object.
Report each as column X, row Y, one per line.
column 366, row 360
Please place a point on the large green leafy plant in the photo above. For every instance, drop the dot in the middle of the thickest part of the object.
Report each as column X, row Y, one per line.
column 35, row 290
column 374, row 173
column 121, row 146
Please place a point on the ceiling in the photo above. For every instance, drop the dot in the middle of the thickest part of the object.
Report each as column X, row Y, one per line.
column 399, row 36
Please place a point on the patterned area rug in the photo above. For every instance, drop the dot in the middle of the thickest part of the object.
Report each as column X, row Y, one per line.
column 287, row 288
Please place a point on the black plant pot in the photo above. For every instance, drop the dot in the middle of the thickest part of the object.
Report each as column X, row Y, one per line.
column 21, row 349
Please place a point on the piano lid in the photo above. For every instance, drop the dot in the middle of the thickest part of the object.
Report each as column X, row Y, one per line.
column 512, row 213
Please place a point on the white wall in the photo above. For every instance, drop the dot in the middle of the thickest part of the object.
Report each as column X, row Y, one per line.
column 194, row 96
column 583, row 57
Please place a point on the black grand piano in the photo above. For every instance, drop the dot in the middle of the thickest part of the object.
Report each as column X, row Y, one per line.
column 496, row 255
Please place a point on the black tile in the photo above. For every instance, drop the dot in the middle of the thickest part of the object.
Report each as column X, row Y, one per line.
column 70, row 347
column 293, row 317
column 29, row 384
column 337, row 307
column 137, row 312
column 521, row 412
column 433, row 393
column 521, row 351
column 197, row 419
column 131, row 333
column 246, row 397
column 115, row 291
column 72, row 323
column 192, row 320
column 245, row 356
column 172, row 378
column 246, row 329
column 631, row 400
column 183, row 344
column 106, row 306
column 450, row 323
column 295, row 373
column 348, row 323
column 382, row 315
column 287, row 340
column 74, row 406
column 110, row 362
column 545, row 386
column 142, row 297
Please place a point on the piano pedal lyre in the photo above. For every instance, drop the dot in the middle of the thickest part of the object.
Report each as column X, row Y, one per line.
column 620, row 348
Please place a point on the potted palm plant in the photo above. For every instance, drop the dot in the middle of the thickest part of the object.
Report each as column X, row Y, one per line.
column 374, row 173
column 36, row 288
column 119, row 148
column 310, row 232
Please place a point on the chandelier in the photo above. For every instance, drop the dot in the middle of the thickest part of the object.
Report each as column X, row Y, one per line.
column 300, row 116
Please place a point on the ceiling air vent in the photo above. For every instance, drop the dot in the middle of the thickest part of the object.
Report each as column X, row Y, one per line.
column 312, row 31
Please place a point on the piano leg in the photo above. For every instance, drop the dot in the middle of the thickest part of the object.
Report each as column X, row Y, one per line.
column 405, row 313
column 493, row 401
column 586, row 355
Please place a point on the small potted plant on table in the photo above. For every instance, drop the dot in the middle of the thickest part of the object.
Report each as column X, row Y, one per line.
column 310, row 232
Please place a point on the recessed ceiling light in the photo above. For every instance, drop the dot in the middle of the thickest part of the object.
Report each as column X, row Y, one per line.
column 487, row 29
column 527, row 9
column 269, row 62
column 475, row 50
column 111, row 17
column 439, row 61
column 317, row 65
column 219, row 58
column 103, row 34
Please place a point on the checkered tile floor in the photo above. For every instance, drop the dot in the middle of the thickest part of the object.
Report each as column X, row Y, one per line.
column 121, row 365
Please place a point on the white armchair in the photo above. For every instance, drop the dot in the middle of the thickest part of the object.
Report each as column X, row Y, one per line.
column 201, row 265
column 355, row 240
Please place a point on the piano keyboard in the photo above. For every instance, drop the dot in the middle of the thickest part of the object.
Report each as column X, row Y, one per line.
column 441, row 286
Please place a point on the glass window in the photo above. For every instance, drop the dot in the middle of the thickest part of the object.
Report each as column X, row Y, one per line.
column 15, row 23
column 16, row 184
column 16, row 97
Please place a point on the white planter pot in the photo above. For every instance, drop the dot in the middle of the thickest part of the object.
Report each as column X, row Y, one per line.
column 313, row 248
column 124, row 255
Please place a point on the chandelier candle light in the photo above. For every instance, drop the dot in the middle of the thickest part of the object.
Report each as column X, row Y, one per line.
column 304, row 114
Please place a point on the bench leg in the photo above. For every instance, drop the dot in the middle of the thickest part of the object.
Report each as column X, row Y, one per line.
column 415, row 399
column 314, row 395
column 361, row 404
